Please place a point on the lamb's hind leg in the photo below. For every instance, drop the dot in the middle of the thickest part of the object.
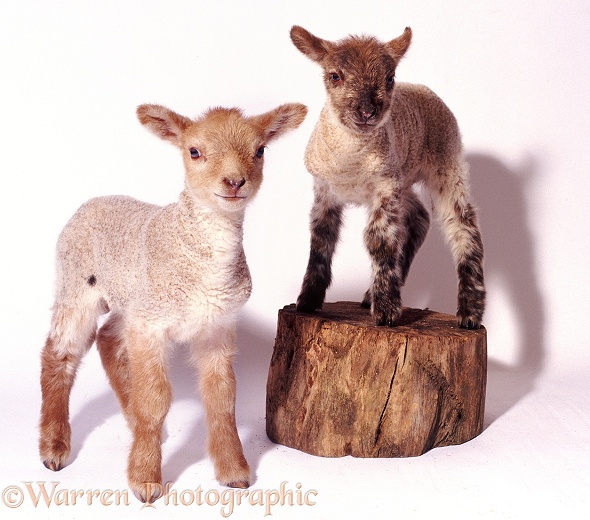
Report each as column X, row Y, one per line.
column 71, row 335
column 416, row 223
column 115, row 360
column 459, row 222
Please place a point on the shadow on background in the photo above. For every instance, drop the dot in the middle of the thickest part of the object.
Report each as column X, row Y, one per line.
column 500, row 194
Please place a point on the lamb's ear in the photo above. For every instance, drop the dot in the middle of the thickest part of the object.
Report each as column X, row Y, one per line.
column 313, row 47
column 165, row 123
column 281, row 119
column 398, row 46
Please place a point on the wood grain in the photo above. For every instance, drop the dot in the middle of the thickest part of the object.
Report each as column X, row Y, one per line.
column 339, row 385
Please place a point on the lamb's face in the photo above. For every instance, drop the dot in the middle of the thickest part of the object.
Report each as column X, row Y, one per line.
column 358, row 74
column 222, row 150
column 359, row 79
column 223, row 155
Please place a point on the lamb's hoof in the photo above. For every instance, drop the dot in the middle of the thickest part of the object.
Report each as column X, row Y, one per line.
column 386, row 314
column 241, row 484
column 309, row 302
column 468, row 322
column 53, row 465
column 385, row 320
column 147, row 493
column 234, row 475
column 54, row 454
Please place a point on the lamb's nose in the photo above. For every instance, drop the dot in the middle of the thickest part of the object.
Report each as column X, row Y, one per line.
column 235, row 184
column 368, row 115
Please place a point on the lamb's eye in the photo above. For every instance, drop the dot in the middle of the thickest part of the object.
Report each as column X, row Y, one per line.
column 195, row 154
column 390, row 80
column 334, row 77
column 260, row 152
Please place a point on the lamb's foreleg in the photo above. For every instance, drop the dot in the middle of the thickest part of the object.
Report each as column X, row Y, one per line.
column 385, row 237
column 218, row 391
column 150, row 396
column 326, row 220
column 416, row 223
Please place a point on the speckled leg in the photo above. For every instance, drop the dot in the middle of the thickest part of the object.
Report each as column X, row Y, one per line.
column 459, row 223
column 416, row 223
column 326, row 220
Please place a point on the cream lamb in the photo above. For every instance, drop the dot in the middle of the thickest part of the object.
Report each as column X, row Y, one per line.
column 168, row 275
column 374, row 140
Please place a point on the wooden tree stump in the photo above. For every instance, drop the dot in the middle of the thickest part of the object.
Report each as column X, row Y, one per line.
column 339, row 385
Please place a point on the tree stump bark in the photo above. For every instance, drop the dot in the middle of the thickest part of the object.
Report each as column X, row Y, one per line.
column 339, row 385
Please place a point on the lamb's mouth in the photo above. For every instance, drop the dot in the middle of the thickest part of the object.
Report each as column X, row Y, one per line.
column 231, row 197
column 364, row 126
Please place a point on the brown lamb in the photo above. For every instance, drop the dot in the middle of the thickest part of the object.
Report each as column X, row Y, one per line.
column 374, row 141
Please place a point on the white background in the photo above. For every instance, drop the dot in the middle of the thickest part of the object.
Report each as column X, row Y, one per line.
column 516, row 74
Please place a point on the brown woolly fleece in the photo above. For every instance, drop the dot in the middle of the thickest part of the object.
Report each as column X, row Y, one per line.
column 374, row 140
